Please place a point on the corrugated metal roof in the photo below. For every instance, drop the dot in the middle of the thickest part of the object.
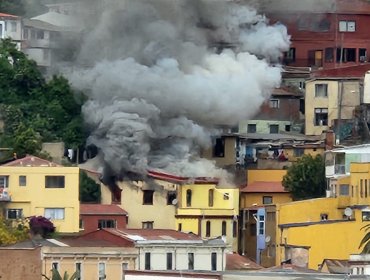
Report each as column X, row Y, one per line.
column 31, row 161
column 101, row 209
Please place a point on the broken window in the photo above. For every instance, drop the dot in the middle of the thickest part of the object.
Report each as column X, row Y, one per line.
column 321, row 116
column 274, row 103
column 171, row 198
column 148, row 197
column 219, row 148
column 289, row 56
column 346, row 55
column 321, row 90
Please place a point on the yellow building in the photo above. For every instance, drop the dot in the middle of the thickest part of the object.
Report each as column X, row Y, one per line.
column 223, row 151
column 210, row 210
column 32, row 186
column 258, row 214
column 326, row 228
column 327, row 100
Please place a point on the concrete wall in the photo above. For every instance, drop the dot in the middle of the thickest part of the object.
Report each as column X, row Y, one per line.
column 229, row 157
column 20, row 264
column 55, row 150
column 252, row 199
column 267, row 175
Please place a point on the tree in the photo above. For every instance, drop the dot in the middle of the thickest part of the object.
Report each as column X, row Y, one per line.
column 89, row 189
column 365, row 242
column 11, row 233
column 41, row 226
column 55, row 275
column 305, row 179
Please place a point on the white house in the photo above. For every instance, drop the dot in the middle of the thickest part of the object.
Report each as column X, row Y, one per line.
column 11, row 27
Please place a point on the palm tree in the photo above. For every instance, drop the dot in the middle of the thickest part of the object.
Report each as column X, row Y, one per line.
column 365, row 240
column 55, row 275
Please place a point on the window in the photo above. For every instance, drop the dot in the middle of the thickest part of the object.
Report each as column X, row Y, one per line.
column 362, row 55
column 321, row 90
column 169, row 261
column 124, row 266
column 324, row 217
column 344, row 190
column 261, row 225
column 365, row 188
column 361, row 188
column 274, row 128
column 4, row 181
column 179, row 227
column 171, row 198
column 210, row 197
column 101, row 268
column 22, row 181
column 148, row 225
column 13, row 214
column 78, row 270
column 54, row 181
column 13, row 26
column 321, row 116
column 190, row 261
column 226, row 196
column 54, row 213
column 188, row 198
column 267, row 199
column 347, row 26
column 252, row 128
column 55, row 265
column 106, row 224
column 366, row 215
column 40, row 34
column 298, row 152
column 219, row 147
column 148, row 197
column 289, row 56
column 25, row 33
column 214, row 261
column 329, row 55
column 287, row 127
column 208, row 229
column 147, row 261
column 223, row 228
column 235, row 228
column 274, row 103
column 346, row 55
column 81, row 224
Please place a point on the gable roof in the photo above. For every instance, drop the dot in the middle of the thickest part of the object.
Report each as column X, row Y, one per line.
column 31, row 161
column 101, row 209
column 154, row 234
column 264, row 187
column 237, row 262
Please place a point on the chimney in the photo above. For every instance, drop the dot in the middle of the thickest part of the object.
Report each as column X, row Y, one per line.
column 329, row 139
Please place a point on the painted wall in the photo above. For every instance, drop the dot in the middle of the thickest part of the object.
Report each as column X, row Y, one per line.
column 263, row 126
column 332, row 240
column 34, row 197
column 252, row 199
column 115, row 259
column 90, row 222
column 350, row 94
column 265, row 175
column 161, row 213
column 202, row 256
column 194, row 217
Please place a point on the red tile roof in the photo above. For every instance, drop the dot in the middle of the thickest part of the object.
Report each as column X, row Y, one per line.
column 178, row 179
column 354, row 71
column 31, row 161
column 101, row 209
column 238, row 262
column 154, row 234
column 264, row 187
column 8, row 15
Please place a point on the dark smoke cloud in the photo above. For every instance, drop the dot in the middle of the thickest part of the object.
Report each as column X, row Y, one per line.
column 158, row 89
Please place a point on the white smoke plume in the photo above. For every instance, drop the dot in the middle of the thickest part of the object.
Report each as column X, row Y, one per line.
column 158, row 88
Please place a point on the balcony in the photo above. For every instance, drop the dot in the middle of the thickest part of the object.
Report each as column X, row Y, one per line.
column 340, row 169
column 4, row 195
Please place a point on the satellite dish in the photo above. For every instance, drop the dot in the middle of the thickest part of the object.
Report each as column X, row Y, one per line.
column 174, row 202
column 267, row 238
column 348, row 212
